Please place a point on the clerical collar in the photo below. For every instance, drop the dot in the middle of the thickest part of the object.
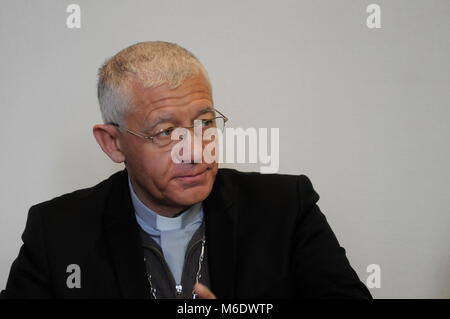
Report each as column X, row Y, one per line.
column 153, row 221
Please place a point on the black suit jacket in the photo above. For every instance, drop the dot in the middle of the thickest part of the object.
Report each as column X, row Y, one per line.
column 266, row 238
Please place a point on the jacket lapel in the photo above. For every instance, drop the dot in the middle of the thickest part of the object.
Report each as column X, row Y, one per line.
column 221, row 218
column 123, row 239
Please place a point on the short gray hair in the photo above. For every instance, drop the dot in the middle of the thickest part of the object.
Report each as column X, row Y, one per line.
column 152, row 63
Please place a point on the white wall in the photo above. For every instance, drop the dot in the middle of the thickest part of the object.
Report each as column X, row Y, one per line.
column 363, row 112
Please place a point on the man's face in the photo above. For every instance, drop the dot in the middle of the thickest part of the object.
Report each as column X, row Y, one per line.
column 161, row 184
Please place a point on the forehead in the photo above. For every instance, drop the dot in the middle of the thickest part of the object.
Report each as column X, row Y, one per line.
column 194, row 92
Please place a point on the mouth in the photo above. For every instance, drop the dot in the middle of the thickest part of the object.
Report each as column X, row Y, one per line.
column 194, row 178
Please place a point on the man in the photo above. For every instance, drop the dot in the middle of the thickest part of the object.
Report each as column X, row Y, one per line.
column 171, row 228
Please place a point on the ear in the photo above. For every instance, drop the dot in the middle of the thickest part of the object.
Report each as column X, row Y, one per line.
column 107, row 137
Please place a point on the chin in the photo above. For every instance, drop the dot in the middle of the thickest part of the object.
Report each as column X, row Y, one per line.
column 194, row 195
column 190, row 192
column 187, row 196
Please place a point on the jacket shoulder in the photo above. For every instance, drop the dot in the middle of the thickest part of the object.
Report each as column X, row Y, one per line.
column 80, row 199
column 268, row 186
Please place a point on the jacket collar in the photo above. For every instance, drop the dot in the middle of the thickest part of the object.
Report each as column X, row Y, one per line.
column 124, row 241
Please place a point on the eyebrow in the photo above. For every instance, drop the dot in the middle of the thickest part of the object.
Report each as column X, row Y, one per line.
column 167, row 118
column 205, row 110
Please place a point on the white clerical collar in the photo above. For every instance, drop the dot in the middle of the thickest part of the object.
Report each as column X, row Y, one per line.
column 160, row 223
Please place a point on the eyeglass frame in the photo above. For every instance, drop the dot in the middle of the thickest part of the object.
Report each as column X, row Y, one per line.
column 151, row 137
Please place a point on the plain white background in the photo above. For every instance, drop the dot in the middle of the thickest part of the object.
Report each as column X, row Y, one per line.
column 364, row 113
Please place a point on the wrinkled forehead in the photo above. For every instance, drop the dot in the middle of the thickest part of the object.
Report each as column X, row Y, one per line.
column 192, row 95
column 190, row 90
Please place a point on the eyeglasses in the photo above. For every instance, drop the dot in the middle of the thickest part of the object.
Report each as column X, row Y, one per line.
column 164, row 136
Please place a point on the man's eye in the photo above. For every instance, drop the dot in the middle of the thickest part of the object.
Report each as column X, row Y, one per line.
column 167, row 132
column 208, row 122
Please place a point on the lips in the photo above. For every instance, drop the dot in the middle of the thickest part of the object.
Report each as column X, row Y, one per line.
column 196, row 170
column 194, row 176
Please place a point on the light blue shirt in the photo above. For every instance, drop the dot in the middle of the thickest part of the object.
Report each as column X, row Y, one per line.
column 171, row 233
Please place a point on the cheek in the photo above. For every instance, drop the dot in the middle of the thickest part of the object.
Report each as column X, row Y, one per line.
column 158, row 168
column 153, row 168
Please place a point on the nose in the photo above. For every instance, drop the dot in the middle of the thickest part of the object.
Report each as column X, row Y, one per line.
column 192, row 146
column 196, row 146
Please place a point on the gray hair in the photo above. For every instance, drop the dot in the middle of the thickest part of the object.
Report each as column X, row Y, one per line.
column 152, row 63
